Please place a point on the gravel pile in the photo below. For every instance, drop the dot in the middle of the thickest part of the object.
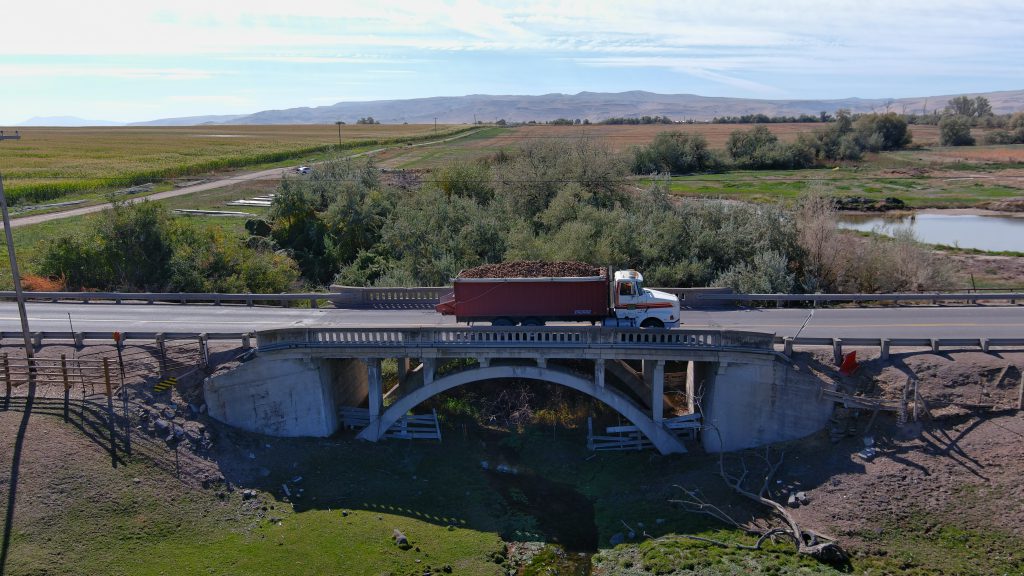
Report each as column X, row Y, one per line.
column 533, row 269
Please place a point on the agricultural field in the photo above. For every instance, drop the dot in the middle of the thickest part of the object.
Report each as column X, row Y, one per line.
column 49, row 163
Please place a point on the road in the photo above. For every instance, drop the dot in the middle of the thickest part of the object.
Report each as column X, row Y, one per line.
column 271, row 174
column 906, row 322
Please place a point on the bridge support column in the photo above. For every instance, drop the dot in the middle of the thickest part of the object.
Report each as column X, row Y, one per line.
column 375, row 384
column 654, row 377
column 599, row 373
column 403, row 370
column 429, row 369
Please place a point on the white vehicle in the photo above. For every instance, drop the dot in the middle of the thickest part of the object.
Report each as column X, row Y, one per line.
column 303, row 169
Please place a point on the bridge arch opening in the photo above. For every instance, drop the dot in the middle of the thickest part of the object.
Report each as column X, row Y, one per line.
column 657, row 434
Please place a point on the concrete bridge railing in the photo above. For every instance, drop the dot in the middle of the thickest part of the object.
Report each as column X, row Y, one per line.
column 502, row 337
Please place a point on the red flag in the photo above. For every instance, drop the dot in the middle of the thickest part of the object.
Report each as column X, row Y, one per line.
column 849, row 364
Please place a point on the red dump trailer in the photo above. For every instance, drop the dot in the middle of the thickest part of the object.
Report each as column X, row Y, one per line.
column 621, row 301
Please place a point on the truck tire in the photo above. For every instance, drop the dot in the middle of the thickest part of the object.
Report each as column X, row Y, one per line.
column 652, row 323
column 503, row 322
column 532, row 322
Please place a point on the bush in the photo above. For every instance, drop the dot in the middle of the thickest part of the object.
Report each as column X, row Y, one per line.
column 883, row 131
column 955, row 131
column 759, row 149
column 675, row 153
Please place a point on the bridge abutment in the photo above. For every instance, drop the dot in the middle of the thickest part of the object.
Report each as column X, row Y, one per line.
column 287, row 396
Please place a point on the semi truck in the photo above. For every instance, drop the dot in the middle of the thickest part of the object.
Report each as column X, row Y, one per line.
column 611, row 300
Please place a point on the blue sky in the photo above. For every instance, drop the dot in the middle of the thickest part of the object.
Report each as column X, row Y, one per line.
column 146, row 59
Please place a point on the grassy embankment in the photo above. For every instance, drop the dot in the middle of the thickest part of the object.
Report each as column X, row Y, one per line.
column 77, row 514
column 72, row 163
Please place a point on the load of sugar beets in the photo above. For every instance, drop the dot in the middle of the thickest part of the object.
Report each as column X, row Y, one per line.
column 532, row 293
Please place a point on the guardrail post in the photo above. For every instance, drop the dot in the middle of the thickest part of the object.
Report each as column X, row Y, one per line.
column 246, row 341
column 37, row 340
column 161, row 343
column 204, row 349
column 886, row 343
column 837, row 351
column 79, row 340
column 248, row 300
column 787, row 345
column 935, row 344
column 313, row 303
column 984, row 345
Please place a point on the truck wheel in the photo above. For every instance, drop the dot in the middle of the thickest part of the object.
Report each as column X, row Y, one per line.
column 533, row 322
column 502, row 322
column 652, row 323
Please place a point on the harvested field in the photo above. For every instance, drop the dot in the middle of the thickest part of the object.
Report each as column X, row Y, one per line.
column 533, row 269
column 51, row 162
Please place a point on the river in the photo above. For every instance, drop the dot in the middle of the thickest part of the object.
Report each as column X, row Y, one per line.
column 981, row 232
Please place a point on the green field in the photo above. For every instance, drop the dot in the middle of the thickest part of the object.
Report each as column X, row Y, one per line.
column 49, row 163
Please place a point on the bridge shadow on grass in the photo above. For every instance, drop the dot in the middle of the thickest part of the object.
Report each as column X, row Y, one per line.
column 548, row 489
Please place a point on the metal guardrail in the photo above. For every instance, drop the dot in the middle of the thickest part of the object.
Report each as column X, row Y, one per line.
column 934, row 297
column 427, row 297
column 506, row 337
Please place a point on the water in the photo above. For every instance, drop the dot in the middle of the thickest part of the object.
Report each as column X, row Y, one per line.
column 990, row 233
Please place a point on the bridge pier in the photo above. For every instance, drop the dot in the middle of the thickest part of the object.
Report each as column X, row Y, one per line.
column 375, row 388
column 654, row 379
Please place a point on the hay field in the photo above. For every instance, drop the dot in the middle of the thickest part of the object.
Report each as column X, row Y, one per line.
column 52, row 162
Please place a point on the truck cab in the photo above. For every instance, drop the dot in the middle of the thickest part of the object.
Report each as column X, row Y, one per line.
column 634, row 305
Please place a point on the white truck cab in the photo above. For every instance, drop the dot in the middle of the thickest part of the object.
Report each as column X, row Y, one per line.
column 635, row 305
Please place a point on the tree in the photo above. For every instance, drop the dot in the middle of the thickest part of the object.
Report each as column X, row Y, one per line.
column 962, row 106
column 982, row 107
column 883, row 131
column 955, row 130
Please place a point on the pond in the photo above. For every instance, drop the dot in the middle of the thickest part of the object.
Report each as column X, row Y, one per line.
column 981, row 232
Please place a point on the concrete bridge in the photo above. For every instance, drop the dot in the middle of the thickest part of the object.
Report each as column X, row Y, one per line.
column 300, row 378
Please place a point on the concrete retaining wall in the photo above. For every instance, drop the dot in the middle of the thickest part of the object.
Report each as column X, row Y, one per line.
column 286, row 397
column 753, row 404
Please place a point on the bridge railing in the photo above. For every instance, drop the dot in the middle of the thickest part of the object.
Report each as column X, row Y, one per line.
column 427, row 297
column 499, row 337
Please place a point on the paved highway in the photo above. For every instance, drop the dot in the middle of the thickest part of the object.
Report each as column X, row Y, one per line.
column 906, row 322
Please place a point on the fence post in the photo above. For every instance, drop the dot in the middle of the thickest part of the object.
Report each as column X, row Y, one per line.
column 7, row 380
column 67, row 384
column 110, row 413
column 1020, row 392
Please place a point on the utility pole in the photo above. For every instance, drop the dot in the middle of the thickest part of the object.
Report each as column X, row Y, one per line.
column 17, row 136
column 435, row 125
column 339, row 123
column 17, row 288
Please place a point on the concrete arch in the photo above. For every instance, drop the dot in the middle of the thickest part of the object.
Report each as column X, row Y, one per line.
column 663, row 440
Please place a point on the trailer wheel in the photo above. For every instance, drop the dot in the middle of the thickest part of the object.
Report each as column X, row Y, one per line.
column 533, row 322
column 652, row 323
column 503, row 322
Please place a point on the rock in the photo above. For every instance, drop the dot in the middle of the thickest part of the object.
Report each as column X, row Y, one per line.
column 793, row 501
column 161, row 425
column 179, row 432
column 167, row 413
column 485, row 465
column 344, row 513
column 137, row 480
column 248, row 494
column 617, row 538
column 803, row 498
column 400, row 539
column 296, row 479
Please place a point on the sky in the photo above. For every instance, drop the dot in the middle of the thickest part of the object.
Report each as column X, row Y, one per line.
column 146, row 59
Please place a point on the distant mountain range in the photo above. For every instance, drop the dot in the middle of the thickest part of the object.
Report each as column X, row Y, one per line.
column 594, row 106
column 66, row 121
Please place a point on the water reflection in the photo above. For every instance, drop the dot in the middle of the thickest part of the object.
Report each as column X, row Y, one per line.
column 993, row 233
